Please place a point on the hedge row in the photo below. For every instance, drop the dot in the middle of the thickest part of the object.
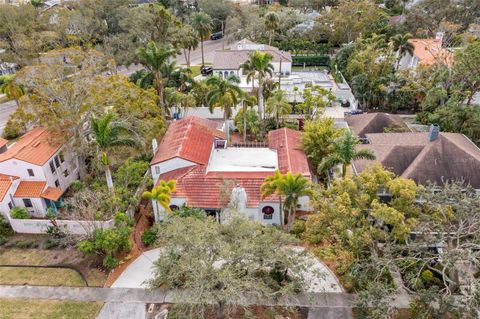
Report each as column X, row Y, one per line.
column 311, row 60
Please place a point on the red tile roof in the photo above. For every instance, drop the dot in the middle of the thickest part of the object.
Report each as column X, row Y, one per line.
column 30, row 189
column 190, row 138
column 52, row 193
column 35, row 147
column 5, row 184
column 3, row 142
column 291, row 157
column 428, row 51
column 207, row 190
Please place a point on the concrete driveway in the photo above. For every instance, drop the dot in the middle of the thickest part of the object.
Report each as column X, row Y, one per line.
column 319, row 277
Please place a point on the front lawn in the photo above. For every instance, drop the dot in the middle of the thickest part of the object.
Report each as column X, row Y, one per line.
column 48, row 309
column 40, row 276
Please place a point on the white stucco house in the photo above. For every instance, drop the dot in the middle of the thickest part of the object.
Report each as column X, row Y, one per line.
column 35, row 171
column 216, row 177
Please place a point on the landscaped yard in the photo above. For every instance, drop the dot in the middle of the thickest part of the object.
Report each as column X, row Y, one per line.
column 42, row 257
column 48, row 309
column 40, row 276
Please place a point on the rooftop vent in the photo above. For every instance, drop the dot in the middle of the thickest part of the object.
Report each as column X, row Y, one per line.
column 433, row 132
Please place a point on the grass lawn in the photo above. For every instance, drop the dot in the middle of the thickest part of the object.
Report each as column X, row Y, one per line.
column 48, row 309
column 40, row 277
column 195, row 70
column 41, row 257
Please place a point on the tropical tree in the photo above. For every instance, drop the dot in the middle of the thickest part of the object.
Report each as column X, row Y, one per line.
column 402, row 45
column 272, row 23
column 289, row 186
column 106, row 133
column 12, row 89
column 270, row 186
column 161, row 194
column 188, row 42
column 278, row 106
column 259, row 64
column 202, row 22
column 344, row 153
column 155, row 58
column 246, row 101
column 224, row 93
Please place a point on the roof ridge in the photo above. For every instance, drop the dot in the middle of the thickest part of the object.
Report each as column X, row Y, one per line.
column 287, row 148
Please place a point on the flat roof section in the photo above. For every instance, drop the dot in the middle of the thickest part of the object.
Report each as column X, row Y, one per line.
column 242, row 159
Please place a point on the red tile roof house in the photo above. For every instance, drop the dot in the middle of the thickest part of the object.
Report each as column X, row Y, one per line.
column 214, row 177
column 34, row 172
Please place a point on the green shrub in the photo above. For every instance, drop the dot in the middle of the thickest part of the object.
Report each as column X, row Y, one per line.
column 298, row 227
column 5, row 228
column 110, row 262
column 149, row 236
column 3, row 240
column 50, row 244
column 23, row 244
column 20, row 213
column 311, row 60
column 77, row 186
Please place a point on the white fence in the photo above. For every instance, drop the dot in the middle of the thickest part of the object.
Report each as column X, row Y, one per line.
column 40, row 226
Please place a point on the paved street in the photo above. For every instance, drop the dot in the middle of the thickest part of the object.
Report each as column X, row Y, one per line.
column 209, row 48
column 6, row 109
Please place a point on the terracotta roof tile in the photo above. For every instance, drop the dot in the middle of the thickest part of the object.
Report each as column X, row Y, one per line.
column 52, row 193
column 3, row 142
column 428, row 51
column 36, row 147
column 6, row 182
column 30, row 189
column 190, row 138
column 291, row 157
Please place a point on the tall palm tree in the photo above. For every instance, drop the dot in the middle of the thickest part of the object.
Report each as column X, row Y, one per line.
column 161, row 194
column 247, row 100
column 260, row 64
column 202, row 22
column 402, row 45
column 278, row 105
column 155, row 58
column 290, row 187
column 272, row 22
column 12, row 89
column 344, row 153
column 224, row 93
column 107, row 133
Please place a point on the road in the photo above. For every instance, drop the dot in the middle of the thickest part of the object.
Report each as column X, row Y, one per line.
column 8, row 108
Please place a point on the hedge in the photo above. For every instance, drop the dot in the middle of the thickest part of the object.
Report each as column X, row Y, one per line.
column 311, row 60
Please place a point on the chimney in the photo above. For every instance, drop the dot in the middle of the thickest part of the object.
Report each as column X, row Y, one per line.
column 154, row 146
column 433, row 132
column 238, row 199
column 439, row 36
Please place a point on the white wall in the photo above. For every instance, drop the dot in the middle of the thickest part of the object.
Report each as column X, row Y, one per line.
column 276, row 215
column 19, row 168
column 286, row 67
column 70, row 164
column 39, row 208
column 159, row 212
column 168, row 166
column 40, row 226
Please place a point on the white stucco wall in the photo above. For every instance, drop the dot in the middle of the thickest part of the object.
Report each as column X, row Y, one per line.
column 39, row 208
column 168, row 166
column 159, row 212
column 19, row 168
column 70, row 164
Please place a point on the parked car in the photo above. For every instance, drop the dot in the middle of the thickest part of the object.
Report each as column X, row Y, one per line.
column 216, row 35
column 206, row 70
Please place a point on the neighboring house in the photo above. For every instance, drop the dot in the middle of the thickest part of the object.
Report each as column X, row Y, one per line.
column 362, row 124
column 215, row 177
column 35, row 171
column 426, row 52
column 228, row 62
column 425, row 156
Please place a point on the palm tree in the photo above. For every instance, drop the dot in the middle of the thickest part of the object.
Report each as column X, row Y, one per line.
column 11, row 89
column 272, row 22
column 402, row 46
column 224, row 94
column 344, row 153
column 202, row 22
column 289, row 186
column 155, row 58
column 247, row 101
column 278, row 105
column 161, row 194
column 260, row 64
column 106, row 133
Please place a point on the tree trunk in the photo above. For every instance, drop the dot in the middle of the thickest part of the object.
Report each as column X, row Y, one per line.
column 344, row 170
column 221, row 310
column 203, row 59
column 260, row 99
column 108, row 175
column 244, row 123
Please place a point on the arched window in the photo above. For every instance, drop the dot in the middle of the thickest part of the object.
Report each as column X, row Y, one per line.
column 225, row 74
column 268, row 212
column 220, row 74
column 232, row 73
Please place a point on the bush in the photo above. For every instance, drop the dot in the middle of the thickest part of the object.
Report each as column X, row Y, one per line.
column 298, row 227
column 50, row 244
column 20, row 213
column 5, row 228
column 311, row 60
column 23, row 244
column 77, row 186
column 3, row 240
column 149, row 236
column 110, row 262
